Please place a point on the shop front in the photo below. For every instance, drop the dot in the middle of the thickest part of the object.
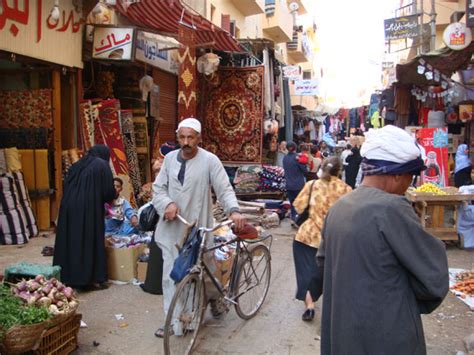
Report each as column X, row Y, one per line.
column 40, row 67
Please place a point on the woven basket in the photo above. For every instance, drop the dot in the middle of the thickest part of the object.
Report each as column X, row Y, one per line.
column 61, row 339
column 61, row 318
column 22, row 338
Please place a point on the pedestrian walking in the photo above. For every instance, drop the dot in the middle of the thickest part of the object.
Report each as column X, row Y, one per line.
column 282, row 152
column 324, row 193
column 183, row 186
column 352, row 167
column 462, row 167
column 381, row 268
column 295, row 173
column 79, row 248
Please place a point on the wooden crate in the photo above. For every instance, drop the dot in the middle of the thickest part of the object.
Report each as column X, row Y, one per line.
column 60, row 339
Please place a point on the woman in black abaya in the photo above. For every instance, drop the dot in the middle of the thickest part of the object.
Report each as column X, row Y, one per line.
column 79, row 247
column 352, row 168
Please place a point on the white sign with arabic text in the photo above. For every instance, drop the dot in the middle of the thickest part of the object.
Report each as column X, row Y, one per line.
column 292, row 72
column 112, row 43
column 306, row 87
column 148, row 49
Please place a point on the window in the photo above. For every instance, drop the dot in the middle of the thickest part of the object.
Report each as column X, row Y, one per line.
column 307, row 75
column 233, row 28
column 225, row 22
column 213, row 13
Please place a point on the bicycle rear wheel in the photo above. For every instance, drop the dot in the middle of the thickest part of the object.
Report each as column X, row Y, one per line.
column 184, row 316
column 253, row 281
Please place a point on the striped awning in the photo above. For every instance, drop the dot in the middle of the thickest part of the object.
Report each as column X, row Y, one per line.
column 168, row 15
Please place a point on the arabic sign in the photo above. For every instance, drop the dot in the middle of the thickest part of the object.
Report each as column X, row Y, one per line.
column 147, row 50
column 470, row 13
column 26, row 28
column 292, row 72
column 113, row 43
column 456, row 36
column 306, row 87
column 401, row 27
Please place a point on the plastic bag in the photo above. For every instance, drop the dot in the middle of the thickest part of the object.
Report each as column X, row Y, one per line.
column 187, row 257
column 148, row 218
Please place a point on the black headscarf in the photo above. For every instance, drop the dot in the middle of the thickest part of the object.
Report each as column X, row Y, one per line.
column 97, row 151
column 100, row 151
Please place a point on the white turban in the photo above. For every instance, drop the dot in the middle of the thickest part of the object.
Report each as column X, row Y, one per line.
column 190, row 123
column 390, row 143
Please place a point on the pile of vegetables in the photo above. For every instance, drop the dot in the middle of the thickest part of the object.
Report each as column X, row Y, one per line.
column 430, row 188
column 465, row 283
column 52, row 294
column 15, row 312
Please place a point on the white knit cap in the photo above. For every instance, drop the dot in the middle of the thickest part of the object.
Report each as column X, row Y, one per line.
column 390, row 143
column 190, row 123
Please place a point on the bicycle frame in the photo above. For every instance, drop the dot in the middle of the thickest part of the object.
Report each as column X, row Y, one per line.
column 201, row 264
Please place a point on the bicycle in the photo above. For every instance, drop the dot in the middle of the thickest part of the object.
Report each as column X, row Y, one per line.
column 249, row 276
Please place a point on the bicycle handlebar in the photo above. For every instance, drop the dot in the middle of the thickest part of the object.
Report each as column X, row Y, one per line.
column 222, row 224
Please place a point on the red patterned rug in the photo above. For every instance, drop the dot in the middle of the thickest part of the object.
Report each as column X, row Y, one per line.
column 110, row 127
column 233, row 114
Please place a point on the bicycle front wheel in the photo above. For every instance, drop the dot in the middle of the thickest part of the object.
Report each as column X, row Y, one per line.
column 253, row 281
column 184, row 316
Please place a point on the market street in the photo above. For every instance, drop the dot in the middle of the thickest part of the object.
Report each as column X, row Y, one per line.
column 277, row 329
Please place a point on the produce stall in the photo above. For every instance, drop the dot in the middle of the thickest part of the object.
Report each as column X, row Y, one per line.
column 461, row 284
column 38, row 315
column 433, row 205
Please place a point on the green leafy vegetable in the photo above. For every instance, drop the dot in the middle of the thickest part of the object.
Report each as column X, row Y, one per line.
column 14, row 312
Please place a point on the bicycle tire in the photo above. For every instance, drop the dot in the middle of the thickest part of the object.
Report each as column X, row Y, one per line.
column 247, row 273
column 183, row 344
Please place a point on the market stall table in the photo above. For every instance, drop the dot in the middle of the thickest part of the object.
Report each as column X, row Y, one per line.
column 432, row 207
column 258, row 195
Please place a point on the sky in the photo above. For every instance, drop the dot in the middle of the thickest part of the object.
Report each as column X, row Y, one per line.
column 351, row 37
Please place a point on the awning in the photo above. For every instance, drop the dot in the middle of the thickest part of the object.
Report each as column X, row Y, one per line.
column 446, row 60
column 168, row 15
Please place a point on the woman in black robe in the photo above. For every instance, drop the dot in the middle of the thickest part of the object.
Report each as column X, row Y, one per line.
column 352, row 168
column 79, row 247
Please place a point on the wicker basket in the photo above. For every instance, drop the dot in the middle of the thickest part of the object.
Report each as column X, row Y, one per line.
column 22, row 338
column 61, row 318
column 61, row 339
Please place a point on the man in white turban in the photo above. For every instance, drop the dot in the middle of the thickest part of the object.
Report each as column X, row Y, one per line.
column 183, row 186
column 389, row 269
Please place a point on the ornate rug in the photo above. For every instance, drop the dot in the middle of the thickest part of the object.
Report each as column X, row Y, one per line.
column 233, row 114
column 26, row 109
column 109, row 124
column 128, row 134
column 86, row 124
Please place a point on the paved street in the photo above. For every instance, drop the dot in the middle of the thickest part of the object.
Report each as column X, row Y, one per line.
column 277, row 329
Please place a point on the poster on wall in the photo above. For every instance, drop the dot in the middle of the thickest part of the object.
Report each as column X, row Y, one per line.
column 113, row 43
column 435, row 143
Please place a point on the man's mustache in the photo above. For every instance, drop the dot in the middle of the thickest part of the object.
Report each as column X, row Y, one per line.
column 186, row 146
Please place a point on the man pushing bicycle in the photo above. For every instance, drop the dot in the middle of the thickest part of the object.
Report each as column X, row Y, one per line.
column 184, row 186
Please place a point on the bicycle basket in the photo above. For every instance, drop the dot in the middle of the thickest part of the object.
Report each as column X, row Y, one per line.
column 187, row 256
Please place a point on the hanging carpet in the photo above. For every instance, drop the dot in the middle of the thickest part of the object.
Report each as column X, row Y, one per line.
column 26, row 109
column 233, row 114
column 128, row 134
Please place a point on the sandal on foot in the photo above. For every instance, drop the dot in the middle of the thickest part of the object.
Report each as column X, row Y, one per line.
column 160, row 333
column 308, row 315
